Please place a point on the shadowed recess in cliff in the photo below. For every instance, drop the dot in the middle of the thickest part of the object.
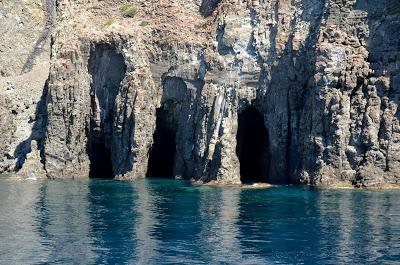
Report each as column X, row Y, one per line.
column 162, row 154
column 208, row 6
column 252, row 146
column 107, row 69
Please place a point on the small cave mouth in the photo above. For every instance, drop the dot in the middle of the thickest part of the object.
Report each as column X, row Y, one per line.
column 252, row 147
column 107, row 69
column 162, row 153
column 100, row 161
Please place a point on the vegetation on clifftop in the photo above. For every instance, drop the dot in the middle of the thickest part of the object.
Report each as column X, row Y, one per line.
column 129, row 10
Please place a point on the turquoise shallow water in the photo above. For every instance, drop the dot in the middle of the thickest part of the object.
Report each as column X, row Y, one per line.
column 172, row 222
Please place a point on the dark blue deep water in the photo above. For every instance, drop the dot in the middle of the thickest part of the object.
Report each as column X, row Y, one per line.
column 173, row 222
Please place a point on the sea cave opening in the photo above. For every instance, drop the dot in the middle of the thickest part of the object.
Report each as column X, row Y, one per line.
column 107, row 69
column 162, row 153
column 252, row 146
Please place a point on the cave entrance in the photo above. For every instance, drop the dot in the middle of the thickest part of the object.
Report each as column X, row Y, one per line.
column 252, row 146
column 107, row 69
column 162, row 153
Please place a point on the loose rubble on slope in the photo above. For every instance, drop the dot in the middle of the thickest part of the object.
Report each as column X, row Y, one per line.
column 223, row 92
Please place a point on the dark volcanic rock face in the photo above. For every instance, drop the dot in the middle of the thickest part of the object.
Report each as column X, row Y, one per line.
column 303, row 91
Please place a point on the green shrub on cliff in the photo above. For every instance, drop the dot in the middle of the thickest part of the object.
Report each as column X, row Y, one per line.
column 129, row 10
column 144, row 23
column 108, row 23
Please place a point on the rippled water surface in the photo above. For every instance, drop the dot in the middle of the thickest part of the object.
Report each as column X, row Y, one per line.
column 172, row 222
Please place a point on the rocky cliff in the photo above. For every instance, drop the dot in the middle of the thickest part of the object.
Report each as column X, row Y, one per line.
column 230, row 91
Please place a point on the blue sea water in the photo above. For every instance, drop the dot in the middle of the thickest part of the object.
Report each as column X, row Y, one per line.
column 158, row 221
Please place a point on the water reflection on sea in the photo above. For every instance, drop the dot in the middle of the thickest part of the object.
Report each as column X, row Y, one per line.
column 173, row 222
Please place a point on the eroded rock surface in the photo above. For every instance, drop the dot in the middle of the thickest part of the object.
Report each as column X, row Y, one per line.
column 319, row 82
